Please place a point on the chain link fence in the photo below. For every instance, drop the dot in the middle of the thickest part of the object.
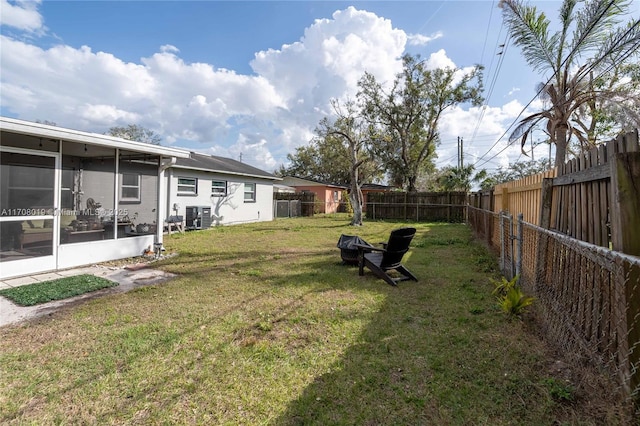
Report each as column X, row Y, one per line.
column 588, row 296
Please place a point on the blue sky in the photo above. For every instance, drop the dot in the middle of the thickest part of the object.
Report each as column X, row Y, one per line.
column 251, row 78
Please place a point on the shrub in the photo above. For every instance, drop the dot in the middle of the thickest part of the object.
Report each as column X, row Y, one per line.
column 511, row 299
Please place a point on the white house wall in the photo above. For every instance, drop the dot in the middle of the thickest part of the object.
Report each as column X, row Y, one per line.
column 228, row 210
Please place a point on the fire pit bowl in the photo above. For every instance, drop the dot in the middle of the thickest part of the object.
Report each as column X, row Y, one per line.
column 349, row 250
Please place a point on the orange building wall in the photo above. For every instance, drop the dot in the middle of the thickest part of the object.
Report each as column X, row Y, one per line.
column 324, row 196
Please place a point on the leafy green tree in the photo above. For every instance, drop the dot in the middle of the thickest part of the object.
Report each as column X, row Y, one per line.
column 589, row 47
column 321, row 160
column 515, row 171
column 404, row 120
column 460, row 178
column 133, row 132
column 615, row 110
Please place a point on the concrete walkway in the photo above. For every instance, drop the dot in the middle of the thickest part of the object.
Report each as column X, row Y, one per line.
column 128, row 277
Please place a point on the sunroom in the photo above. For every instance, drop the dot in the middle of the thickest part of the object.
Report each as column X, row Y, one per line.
column 71, row 198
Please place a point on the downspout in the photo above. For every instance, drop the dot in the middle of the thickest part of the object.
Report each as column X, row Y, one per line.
column 164, row 165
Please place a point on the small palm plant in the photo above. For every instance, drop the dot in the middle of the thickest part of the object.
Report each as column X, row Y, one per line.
column 511, row 299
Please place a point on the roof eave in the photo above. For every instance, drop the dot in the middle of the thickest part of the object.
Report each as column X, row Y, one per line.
column 224, row 172
column 61, row 133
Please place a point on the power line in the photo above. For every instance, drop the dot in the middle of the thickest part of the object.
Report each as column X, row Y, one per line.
column 502, row 55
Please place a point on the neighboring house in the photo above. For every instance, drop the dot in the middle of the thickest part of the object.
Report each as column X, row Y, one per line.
column 208, row 190
column 71, row 198
column 328, row 196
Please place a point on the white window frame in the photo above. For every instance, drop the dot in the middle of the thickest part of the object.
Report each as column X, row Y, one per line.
column 187, row 189
column 219, row 190
column 137, row 186
column 250, row 189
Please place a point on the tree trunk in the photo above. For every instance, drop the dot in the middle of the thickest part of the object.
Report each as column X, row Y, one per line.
column 561, row 146
column 355, row 196
column 411, row 186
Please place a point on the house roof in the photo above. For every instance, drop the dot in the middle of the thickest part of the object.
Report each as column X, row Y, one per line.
column 278, row 187
column 212, row 163
column 377, row 187
column 61, row 133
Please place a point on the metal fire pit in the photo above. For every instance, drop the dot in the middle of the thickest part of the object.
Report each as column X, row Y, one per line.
column 348, row 248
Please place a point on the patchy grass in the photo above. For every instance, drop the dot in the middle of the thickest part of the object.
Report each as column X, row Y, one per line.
column 62, row 288
column 265, row 326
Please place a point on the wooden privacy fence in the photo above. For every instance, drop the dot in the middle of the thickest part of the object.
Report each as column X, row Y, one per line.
column 592, row 198
column 522, row 196
column 589, row 198
column 418, row 206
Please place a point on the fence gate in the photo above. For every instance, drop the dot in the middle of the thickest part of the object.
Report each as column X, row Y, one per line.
column 287, row 208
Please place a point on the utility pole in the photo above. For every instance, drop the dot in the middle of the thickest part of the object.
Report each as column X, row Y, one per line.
column 460, row 153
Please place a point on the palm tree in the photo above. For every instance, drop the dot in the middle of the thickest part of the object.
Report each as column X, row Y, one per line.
column 590, row 42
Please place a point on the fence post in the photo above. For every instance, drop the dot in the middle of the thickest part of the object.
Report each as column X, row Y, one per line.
column 543, row 239
column 492, row 201
column 502, row 267
column 510, row 246
column 505, row 199
column 625, row 237
column 545, row 203
column 519, row 238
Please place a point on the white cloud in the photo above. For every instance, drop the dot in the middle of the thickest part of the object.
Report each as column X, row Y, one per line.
column 264, row 116
column 513, row 91
column 439, row 59
column 276, row 109
column 331, row 57
column 422, row 40
column 22, row 15
column 483, row 130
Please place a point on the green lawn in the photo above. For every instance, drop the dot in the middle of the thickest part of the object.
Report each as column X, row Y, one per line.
column 265, row 326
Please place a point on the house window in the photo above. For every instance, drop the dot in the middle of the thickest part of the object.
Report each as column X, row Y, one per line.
column 218, row 188
column 187, row 186
column 130, row 187
column 335, row 196
column 249, row 192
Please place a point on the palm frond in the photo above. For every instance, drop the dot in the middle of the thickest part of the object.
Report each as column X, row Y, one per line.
column 525, row 126
column 566, row 18
column 621, row 45
column 530, row 31
column 594, row 22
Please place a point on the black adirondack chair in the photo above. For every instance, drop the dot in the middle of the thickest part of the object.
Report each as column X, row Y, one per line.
column 389, row 257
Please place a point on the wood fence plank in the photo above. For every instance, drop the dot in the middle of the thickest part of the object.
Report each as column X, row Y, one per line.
column 594, row 199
